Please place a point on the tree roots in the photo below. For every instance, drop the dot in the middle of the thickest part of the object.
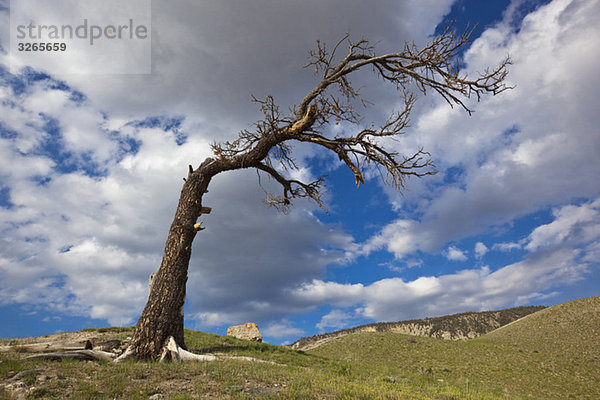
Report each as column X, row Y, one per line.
column 170, row 352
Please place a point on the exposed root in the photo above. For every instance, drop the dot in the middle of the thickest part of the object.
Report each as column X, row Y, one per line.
column 172, row 352
column 250, row 359
column 127, row 354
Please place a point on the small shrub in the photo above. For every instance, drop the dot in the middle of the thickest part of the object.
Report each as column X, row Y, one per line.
column 9, row 368
column 30, row 377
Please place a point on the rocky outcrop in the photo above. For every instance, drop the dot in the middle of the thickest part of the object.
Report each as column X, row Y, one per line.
column 454, row 327
column 247, row 331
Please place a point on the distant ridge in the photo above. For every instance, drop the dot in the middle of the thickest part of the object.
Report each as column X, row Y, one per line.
column 461, row 326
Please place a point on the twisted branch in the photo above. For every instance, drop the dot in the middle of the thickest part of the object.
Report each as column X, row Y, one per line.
column 435, row 67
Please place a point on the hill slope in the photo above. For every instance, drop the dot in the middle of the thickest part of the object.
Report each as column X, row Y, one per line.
column 462, row 326
column 551, row 354
column 286, row 374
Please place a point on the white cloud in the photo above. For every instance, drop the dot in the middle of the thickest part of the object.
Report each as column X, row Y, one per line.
column 522, row 151
column 592, row 253
column 336, row 319
column 507, row 246
column 283, row 328
column 208, row 58
column 453, row 253
column 401, row 238
column 82, row 244
column 318, row 292
column 471, row 289
column 480, row 249
column 574, row 224
column 561, row 253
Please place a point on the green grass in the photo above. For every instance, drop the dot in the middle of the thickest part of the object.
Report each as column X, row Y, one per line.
column 297, row 375
column 553, row 354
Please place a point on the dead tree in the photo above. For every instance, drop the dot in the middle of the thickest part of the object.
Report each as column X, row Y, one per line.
column 267, row 148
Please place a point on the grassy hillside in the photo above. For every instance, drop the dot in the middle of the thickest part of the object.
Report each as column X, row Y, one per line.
column 552, row 354
column 461, row 326
column 294, row 375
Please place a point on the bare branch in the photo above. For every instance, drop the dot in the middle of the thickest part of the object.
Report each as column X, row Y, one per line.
column 435, row 67
column 291, row 189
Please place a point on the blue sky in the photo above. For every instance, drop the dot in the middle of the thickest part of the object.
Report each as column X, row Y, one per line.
column 91, row 167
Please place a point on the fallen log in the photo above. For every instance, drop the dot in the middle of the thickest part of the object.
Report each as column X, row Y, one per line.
column 85, row 355
column 46, row 346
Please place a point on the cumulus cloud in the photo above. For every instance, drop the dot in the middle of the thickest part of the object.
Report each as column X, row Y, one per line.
column 82, row 233
column 336, row 319
column 83, row 228
column 209, row 57
column 480, row 250
column 527, row 149
column 111, row 241
column 402, row 237
column 507, row 246
column 572, row 224
column 453, row 253
column 281, row 329
column 471, row 289
column 561, row 252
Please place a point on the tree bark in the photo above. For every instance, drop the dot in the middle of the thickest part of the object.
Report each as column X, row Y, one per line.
column 162, row 316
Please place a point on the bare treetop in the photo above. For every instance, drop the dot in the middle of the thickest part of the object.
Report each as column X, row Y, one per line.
column 333, row 100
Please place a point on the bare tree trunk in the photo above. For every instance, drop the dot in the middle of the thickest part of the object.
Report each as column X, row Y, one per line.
column 162, row 317
column 163, row 314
